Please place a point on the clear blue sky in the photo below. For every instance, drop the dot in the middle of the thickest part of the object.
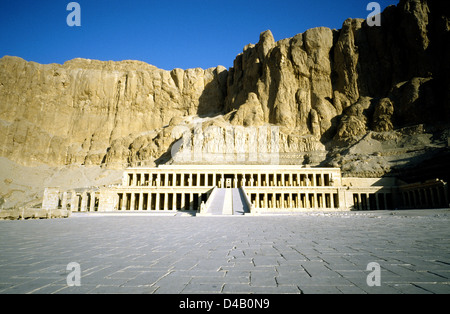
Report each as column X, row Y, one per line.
column 168, row 34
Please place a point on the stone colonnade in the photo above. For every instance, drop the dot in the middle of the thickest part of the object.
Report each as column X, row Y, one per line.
column 430, row 194
column 371, row 200
column 186, row 187
column 268, row 187
column 160, row 200
column 198, row 178
column 86, row 200
column 294, row 198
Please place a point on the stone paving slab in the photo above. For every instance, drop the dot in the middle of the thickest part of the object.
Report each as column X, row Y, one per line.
column 269, row 254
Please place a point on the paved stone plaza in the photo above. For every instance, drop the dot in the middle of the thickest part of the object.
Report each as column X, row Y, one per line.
column 302, row 253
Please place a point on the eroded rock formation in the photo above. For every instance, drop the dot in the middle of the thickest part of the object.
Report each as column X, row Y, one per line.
column 327, row 91
column 77, row 112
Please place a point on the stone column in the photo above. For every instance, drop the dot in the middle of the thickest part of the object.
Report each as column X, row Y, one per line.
column 92, row 202
column 141, row 201
column 124, row 201
column 149, row 201
column 64, row 201
column 166, row 201
column 264, row 201
column 166, row 179
column 133, row 201
column 83, row 201
column 157, row 201
column 174, row 201
column 356, row 202
column 438, row 196
column 445, row 189
column 432, row 198
column 183, row 201
column 74, row 201
column 191, row 201
column 423, row 195
column 222, row 181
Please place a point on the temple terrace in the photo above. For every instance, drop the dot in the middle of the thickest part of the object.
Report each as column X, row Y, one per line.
column 246, row 189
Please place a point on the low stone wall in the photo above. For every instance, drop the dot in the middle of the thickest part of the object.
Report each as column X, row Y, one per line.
column 33, row 213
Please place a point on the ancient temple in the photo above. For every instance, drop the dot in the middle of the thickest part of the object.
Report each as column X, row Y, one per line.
column 246, row 189
column 238, row 171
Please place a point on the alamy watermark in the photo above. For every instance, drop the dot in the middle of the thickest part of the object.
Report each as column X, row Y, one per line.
column 374, row 17
column 74, row 17
column 74, row 277
column 374, row 277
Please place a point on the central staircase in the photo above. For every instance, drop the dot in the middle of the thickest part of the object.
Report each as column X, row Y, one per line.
column 228, row 201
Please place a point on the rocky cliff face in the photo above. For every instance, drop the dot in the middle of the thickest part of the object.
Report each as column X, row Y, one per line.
column 337, row 97
column 337, row 84
column 77, row 112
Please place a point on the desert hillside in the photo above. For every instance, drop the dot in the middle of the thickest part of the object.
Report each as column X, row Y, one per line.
column 372, row 100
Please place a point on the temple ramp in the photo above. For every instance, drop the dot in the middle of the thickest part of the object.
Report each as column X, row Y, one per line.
column 216, row 205
column 228, row 202
column 240, row 206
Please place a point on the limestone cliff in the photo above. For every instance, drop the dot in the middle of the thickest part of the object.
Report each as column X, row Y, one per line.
column 76, row 112
column 351, row 80
column 347, row 97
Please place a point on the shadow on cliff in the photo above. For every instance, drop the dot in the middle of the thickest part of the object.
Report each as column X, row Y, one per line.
column 212, row 99
column 432, row 164
column 166, row 157
column 211, row 104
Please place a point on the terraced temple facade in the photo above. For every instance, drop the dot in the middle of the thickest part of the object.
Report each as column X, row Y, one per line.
column 246, row 189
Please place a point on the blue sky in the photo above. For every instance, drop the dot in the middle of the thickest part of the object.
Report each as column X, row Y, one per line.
column 168, row 34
